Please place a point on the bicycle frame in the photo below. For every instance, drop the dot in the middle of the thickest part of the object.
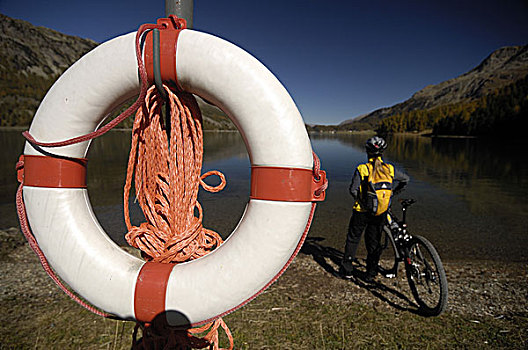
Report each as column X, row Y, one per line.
column 397, row 235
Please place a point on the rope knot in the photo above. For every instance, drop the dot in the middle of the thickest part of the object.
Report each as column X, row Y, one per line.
column 319, row 176
column 20, row 169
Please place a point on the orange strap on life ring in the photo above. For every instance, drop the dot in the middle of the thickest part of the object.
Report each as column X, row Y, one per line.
column 47, row 171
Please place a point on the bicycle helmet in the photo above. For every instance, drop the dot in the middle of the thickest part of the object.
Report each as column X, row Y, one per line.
column 375, row 146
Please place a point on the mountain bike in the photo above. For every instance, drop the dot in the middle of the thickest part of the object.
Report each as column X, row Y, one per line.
column 423, row 267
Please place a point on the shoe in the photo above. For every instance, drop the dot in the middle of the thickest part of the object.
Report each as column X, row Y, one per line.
column 369, row 278
column 346, row 274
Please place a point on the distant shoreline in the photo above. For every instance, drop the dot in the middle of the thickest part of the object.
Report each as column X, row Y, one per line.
column 426, row 133
column 23, row 128
column 14, row 128
column 314, row 132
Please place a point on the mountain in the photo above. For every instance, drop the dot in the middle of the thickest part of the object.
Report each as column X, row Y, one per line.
column 38, row 50
column 32, row 58
column 500, row 69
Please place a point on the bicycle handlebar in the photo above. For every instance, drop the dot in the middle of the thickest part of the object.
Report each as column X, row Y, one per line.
column 407, row 202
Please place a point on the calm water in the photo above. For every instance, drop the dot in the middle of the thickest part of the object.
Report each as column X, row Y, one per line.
column 472, row 195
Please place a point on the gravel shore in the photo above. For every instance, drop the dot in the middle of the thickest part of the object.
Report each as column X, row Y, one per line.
column 476, row 288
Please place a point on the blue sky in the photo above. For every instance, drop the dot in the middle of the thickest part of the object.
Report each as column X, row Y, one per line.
column 338, row 59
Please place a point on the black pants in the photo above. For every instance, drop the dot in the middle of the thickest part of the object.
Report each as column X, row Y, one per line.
column 372, row 225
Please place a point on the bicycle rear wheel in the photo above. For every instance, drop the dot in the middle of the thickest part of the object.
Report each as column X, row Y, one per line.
column 426, row 276
column 388, row 263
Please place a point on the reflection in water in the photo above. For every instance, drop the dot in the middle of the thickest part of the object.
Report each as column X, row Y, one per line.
column 483, row 173
column 108, row 158
column 471, row 193
column 222, row 145
column 224, row 151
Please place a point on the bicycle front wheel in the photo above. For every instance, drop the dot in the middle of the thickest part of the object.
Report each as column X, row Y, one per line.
column 426, row 276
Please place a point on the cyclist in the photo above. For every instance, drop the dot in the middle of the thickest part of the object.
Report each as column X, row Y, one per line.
column 363, row 219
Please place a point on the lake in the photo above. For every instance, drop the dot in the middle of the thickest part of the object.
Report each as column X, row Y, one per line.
column 471, row 194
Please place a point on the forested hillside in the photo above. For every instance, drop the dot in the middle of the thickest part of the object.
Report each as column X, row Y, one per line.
column 502, row 112
column 32, row 58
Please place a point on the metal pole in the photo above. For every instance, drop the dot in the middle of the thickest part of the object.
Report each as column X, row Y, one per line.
column 181, row 8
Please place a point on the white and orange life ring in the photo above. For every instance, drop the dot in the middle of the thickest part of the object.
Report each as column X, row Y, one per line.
column 269, row 233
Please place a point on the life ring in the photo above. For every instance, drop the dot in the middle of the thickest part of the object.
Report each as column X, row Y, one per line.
column 269, row 233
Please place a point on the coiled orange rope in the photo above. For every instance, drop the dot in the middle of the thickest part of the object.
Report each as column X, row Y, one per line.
column 167, row 179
